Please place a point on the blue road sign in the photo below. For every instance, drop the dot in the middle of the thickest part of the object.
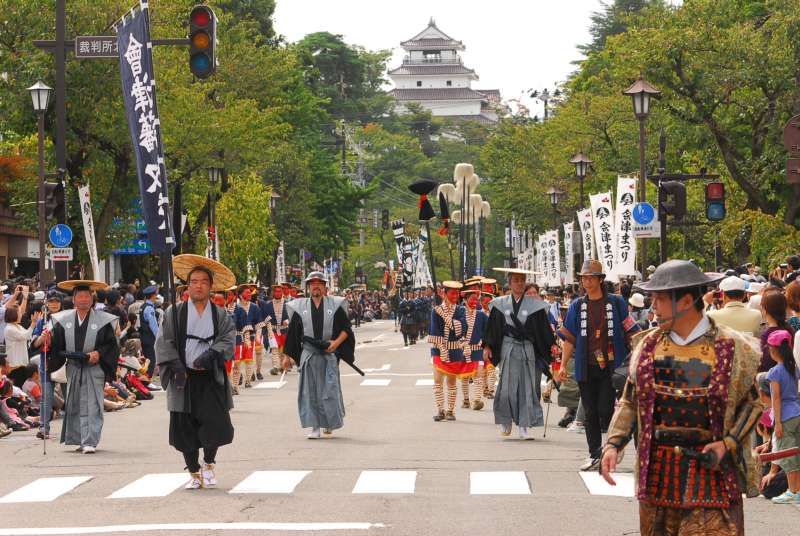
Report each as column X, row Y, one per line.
column 137, row 246
column 643, row 213
column 60, row 235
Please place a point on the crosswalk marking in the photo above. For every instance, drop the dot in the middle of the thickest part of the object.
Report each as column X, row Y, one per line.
column 596, row 485
column 499, row 483
column 386, row 482
column 424, row 383
column 153, row 485
column 206, row 528
column 399, row 349
column 45, row 489
column 269, row 385
column 270, row 482
column 385, row 368
column 376, row 382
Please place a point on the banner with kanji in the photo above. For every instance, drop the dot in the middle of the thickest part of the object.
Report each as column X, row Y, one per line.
column 587, row 233
column 139, row 95
column 280, row 265
column 569, row 257
column 623, row 223
column 553, row 259
column 603, row 223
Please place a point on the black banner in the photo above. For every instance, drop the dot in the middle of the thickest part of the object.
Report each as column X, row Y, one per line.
column 139, row 92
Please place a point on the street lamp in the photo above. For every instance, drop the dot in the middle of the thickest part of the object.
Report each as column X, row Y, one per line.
column 641, row 91
column 40, row 95
column 581, row 169
column 555, row 194
column 214, row 178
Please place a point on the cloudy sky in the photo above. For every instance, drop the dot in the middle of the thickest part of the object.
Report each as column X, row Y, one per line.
column 513, row 45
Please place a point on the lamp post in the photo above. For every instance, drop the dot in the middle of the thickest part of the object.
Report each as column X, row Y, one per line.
column 582, row 164
column 555, row 194
column 640, row 92
column 40, row 95
column 214, row 178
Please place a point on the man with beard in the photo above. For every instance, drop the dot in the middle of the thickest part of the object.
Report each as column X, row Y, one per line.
column 319, row 335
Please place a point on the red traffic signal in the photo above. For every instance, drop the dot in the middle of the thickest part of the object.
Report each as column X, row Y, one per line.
column 715, row 201
column 202, row 41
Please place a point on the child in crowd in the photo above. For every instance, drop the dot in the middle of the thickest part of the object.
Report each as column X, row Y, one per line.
column 783, row 378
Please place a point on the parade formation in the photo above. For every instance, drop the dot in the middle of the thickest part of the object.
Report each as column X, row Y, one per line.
column 345, row 294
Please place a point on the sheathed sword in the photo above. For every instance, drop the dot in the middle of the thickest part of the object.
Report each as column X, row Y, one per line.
column 779, row 454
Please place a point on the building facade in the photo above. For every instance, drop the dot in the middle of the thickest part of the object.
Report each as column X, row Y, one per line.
column 433, row 75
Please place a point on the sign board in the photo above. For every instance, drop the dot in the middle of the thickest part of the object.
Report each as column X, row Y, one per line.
column 643, row 213
column 793, row 170
column 60, row 254
column 137, row 246
column 649, row 230
column 96, row 46
column 60, row 235
column 791, row 135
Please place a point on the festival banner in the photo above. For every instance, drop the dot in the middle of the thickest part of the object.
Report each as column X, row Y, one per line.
column 626, row 243
column 569, row 255
column 139, row 95
column 587, row 233
column 280, row 265
column 553, row 259
column 542, row 257
column 603, row 223
column 88, row 228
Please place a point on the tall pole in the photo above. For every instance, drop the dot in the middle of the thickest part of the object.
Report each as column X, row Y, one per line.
column 642, row 186
column 581, row 201
column 40, row 201
column 60, row 56
column 462, row 230
column 433, row 262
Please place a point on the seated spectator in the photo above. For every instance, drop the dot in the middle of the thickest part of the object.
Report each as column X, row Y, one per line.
column 32, row 387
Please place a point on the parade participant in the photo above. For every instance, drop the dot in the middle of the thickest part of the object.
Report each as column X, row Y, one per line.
column 148, row 327
column 596, row 333
column 692, row 465
column 195, row 341
column 489, row 370
column 84, row 339
column 407, row 313
column 275, row 320
column 476, row 326
column 319, row 336
column 447, row 330
column 518, row 339
column 472, row 284
column 246, row 316
column 422, row 314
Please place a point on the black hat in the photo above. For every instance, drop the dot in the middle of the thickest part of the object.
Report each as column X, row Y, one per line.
column 676, row 274
column 422, row 188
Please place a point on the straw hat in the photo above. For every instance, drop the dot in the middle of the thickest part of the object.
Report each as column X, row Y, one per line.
column 185, row 263
column 82, row 284
column 516, row 271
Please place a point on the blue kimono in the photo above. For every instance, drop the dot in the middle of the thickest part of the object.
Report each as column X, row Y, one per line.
column 575, row 331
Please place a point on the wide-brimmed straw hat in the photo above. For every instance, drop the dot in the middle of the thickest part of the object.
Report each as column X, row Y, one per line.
column 516, row 271
column 676, row 274
column 183, row 264
column 82, row 284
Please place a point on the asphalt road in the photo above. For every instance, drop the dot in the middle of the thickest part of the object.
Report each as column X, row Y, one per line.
column 390, row 471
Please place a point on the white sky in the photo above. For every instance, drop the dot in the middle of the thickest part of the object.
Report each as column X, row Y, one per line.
column 513, row 45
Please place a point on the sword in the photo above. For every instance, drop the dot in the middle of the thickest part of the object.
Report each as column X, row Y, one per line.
column 283, row 375
column 546, row 418
column 778, row 455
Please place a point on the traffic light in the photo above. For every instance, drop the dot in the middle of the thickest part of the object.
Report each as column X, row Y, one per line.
column 672, row 198
column 715, row 201
column 203, row 41
column 54, row 208
column 385, row 219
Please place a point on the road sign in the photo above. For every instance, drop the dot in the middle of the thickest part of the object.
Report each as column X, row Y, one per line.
column 643, row 213
column 648, row 230
column 60, row 254
column 96, row 46
column 60, row 235
column 138, row 246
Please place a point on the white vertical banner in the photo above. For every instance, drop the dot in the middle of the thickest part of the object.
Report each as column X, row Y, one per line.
column 569, row 256
column 603, row 222
column 587, row 233
column 554, row 259
column 541, row 249
column 88, row 228
column 623, row 231
column 302, row 264
column 280, row 265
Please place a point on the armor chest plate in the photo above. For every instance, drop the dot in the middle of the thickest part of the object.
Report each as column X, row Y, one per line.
column 682, row 375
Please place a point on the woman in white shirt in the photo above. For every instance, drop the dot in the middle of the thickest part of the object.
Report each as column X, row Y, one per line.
column 17, row 337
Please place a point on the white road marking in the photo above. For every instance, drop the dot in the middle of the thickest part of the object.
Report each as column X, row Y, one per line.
column 105, row 529
column 386, row 482
column 270, row 482
column 399, row 349
column 376, row 382
column 391, row 374
column 425, row 383
column 45, row 489
column 499, row 483
column 385, row 368
column 596, row 485
column 269, row 385
column 152, row 485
